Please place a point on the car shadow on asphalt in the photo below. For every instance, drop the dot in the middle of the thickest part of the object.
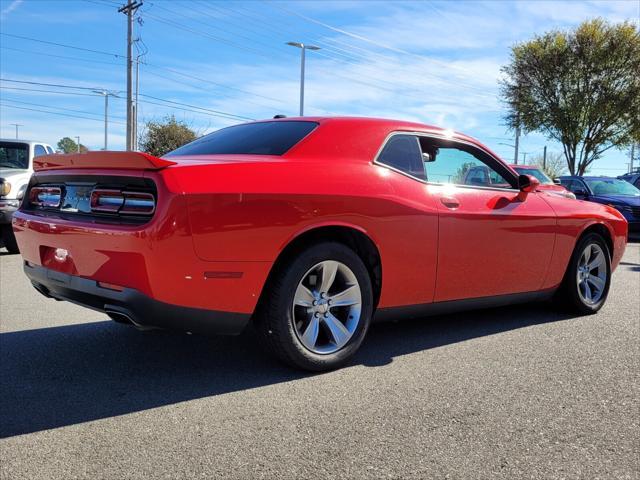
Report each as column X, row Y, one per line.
column 59, row 376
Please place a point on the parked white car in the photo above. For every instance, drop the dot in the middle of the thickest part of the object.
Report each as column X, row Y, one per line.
column 16, row 167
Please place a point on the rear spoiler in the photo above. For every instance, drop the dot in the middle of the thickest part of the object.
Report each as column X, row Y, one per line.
column 115, row 160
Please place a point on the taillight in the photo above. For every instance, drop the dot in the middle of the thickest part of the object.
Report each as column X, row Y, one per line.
column 106, row 200
column 124, row 203
column 45, row 196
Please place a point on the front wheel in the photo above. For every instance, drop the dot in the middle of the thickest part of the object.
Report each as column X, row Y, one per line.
column 586, row 283
column 317, row 309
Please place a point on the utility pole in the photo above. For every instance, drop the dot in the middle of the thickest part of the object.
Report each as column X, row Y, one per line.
column 78, row 144
column 517, row 145
column 633, row 153
column 129, row 10
column 17, row 125
column 544, row 158
column 303, row 48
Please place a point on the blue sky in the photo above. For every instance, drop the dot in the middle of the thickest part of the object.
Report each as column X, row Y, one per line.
column 436, row 62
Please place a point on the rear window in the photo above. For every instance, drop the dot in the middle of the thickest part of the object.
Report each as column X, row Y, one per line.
column 14, row 155
column 262, row 138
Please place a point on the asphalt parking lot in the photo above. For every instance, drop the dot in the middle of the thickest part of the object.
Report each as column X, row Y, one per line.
column 503, row 393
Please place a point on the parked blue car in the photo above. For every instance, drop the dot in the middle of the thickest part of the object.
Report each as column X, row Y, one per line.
column 611, row 191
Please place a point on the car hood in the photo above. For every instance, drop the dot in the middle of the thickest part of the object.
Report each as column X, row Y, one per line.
column 618, row 199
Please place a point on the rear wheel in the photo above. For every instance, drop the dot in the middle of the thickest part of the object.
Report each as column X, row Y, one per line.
column 317, row 309
column 586, row 283
column 9, row 239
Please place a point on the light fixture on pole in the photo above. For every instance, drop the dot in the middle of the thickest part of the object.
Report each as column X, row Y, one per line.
column 302, row 48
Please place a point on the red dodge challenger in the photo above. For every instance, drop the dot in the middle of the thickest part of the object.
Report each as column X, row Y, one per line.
column 309, row 228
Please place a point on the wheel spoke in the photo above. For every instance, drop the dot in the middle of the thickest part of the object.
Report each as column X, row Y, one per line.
column 303, row 296
column 347, row 297
column 587, row 255
column 587, row 291
column 596, row 282
column 310, row 335
column 338, row 331
column 329, row 270
column 596, row 262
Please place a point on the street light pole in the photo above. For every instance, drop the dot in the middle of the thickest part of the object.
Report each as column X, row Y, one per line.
column 303, row 48
column 106, row 95
column 17, row 125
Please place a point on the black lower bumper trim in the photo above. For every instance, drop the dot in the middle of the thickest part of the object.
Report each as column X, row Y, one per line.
column 138, row 307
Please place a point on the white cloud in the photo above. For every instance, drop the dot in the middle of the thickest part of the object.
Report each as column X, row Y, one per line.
column 10, row 8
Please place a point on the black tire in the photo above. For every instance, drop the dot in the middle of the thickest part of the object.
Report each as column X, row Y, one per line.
column 275, row 320
column 568, row 296
column 9, row 239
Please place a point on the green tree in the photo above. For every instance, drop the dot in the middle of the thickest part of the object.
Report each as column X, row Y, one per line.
column 160, row 137
column 67, row 145
column 580, row 88
column 554, row 166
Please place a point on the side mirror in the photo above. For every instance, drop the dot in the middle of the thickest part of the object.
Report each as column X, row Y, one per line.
column 580, row 193
column 557, row 181
column 528, row 183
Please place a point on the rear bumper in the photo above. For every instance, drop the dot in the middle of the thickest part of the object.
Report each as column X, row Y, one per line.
column 138, row 307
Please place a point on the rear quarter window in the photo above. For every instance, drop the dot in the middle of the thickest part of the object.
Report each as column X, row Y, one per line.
column 260, row 138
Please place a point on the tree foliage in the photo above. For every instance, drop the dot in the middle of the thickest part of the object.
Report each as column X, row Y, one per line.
column 161, row 137
column 554, row 166
column 581, row 88
column 68, row 145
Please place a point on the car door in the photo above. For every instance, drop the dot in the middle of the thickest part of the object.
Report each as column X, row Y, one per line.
column 493, row 239
column 414, row 238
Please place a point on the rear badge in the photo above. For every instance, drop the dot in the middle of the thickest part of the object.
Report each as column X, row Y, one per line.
column 61, row 255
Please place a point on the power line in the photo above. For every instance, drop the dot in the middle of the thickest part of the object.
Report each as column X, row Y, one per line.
column 62, row 45
column 168, row 69
column 59, row 56
column 210, row 111
column 49, row 91
column 55, row 113
column 200, row 108
column 56, row 108
column 50, row 84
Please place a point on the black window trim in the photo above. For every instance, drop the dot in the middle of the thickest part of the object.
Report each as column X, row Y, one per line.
column 455, row 141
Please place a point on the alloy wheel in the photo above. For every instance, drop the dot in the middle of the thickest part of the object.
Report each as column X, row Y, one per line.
column 326, row 307
column 592, row 274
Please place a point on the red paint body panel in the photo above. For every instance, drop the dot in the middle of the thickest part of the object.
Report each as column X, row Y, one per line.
column 222, row 221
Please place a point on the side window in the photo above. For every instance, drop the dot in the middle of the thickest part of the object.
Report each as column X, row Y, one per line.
column 574, row 185
column 39, row 150
column 446, row 162
column 50, row 150
column 403, row 153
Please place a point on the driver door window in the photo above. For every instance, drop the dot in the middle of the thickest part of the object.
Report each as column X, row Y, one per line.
column 460, row 166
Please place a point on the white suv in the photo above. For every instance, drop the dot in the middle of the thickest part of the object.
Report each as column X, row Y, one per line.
column 16, row 167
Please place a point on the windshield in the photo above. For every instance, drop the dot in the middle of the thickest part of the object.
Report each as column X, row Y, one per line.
column 14, row 155
column 260, row 138
column 611, row 186
column 536, row 172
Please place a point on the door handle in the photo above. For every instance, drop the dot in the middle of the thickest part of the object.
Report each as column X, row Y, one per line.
column 450, row 202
